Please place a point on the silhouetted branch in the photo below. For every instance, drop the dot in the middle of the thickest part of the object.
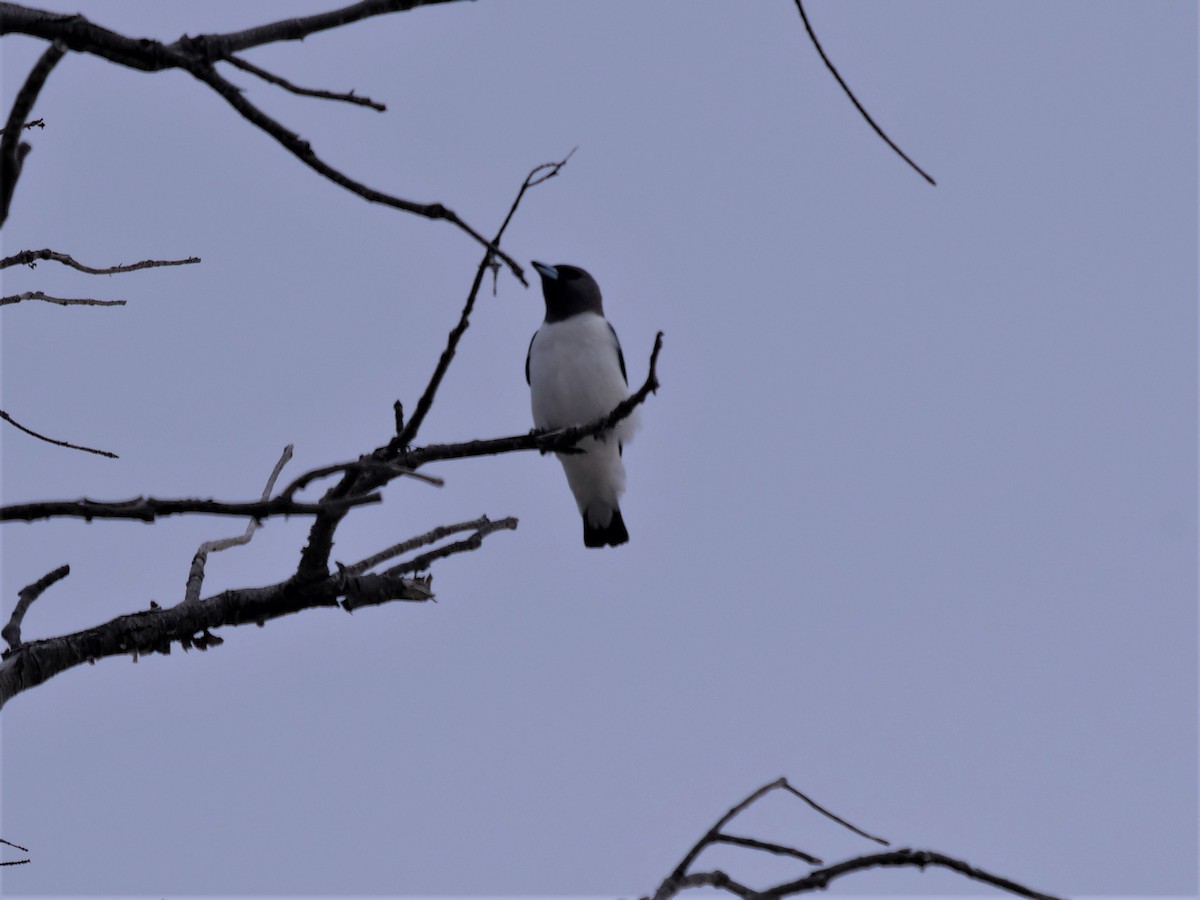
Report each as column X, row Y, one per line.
column 147, row 509
column 197, row 56
column 190, row 623
column 906, row 857
column 58, row 301
column 849, row 93
column 31, row 257
column 25, row 597
column 15, row 862
column 421, row 540
column 49, row 440
column 349, row 97
column 422, row 562
column 682, row 879
column 406, row 436
column 12, row 151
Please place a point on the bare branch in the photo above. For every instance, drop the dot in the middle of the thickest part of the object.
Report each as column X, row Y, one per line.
column 766, row 847
column 303, row 151
column 421, row 540
column 812, row 35
column 196, row 572
column 821, row 878
column 58, row 301
column 196, row 55
column 408, row 434
column 681, row 879
column 422, row 562
column 25, row 597
column 49, row 440
column 349, row 97
column 827, row 814
column 16, row 862
column 12, row 152
column 147, row 509
column 154, row 630
column 30, row 258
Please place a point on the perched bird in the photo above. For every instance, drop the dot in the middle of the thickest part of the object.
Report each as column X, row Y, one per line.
column 576, row 374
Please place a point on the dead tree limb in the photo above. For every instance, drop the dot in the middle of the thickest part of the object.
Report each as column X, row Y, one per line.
column 190, row 623
column 682, row 878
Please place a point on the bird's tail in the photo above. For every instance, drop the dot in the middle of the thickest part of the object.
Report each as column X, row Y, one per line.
column 610, row 535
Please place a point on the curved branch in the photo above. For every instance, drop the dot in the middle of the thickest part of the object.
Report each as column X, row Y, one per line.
column 12, row 151
column 812, row 35
column 303, row 151
column 907, row 857
column 681, row 879
column 49, row 440
column 30, row 258
column 25, row 597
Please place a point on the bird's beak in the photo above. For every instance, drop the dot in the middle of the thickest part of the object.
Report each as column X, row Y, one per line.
column 545, row 271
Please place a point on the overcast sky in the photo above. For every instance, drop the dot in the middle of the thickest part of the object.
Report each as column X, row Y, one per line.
column 913, row 516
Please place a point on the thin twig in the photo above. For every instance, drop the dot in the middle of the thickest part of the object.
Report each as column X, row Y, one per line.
column 430, row 537
column 766, row 847
column 49, row 440
column 36, row 123
column 12, row 631
column 406, row 436
column 11, row 844
column 849, row 93
column 359, row 466
column 349, row 97
column 422, row 562
column 827, row 814
column 31, row 257
column 196, row 572
column 58, row 301
column 12, row 151
column 304, row 152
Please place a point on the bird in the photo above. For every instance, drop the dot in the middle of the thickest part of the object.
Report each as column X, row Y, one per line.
column 576, row 374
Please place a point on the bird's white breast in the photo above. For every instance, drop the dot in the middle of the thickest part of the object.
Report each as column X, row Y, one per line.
column 575, row 373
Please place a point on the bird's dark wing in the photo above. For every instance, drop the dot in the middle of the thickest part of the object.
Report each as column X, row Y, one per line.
column 620, row 355
column 529, row 353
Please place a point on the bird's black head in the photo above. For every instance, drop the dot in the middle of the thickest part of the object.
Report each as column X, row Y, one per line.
column 568, row 291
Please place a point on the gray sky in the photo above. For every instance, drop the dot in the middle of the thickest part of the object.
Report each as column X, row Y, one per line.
column 913, row 516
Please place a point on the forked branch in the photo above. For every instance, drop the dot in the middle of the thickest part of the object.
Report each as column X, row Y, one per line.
column 682, row 878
